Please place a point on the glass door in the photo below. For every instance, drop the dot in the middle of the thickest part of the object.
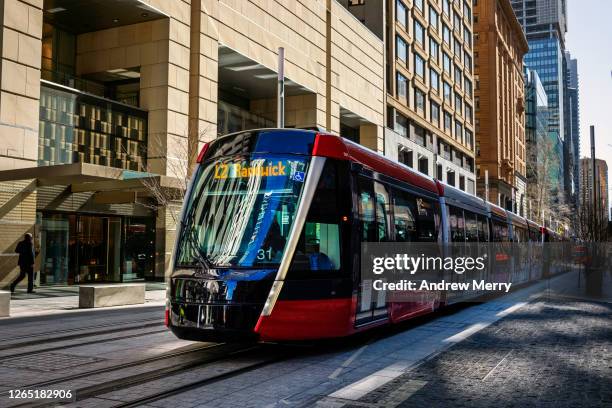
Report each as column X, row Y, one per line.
column 99, row 249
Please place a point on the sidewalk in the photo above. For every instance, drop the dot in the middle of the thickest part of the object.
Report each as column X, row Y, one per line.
column 65, row 299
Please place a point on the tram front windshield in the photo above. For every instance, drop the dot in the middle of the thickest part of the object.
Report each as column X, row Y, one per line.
column 240, row 211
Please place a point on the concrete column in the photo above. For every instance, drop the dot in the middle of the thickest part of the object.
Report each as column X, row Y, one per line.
column 20, row 59
column 20, row 35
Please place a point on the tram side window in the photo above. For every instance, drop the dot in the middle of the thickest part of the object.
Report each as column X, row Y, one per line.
column 382, row 212
column 483, row 229
column 319, row 246
column 457, row 224
column 373, row 211
column 404, row 219
column 428, row 222
column 471, row 227
column 520, row 235
column 500, row 231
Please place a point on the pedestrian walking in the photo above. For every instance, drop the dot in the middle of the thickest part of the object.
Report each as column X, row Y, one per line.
column 25, row 249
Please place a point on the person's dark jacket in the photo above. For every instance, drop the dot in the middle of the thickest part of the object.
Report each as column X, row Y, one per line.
column 25, row 249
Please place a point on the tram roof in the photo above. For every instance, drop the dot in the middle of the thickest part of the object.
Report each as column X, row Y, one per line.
column 309, row 142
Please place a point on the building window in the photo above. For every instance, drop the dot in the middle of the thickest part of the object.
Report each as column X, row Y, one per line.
column 419, row 4
column 434, row 79
column 448, row 92
column 440, row 172
column 419, row 66
column 419, row 33
column 462, row 183
column 404, row 156
column 424, row 165
column 467, row 11
column 402, row 86
column 448, row 122
column 469, row 139
column 434, row 113
column 468, row 87
column 467, row 61
column 458, row 130
column 446, row 62
column 434, row 49
column 401, row 124
column 457, row 23
column 458, row 104
column 400, row 13
column 401, row 48
column 433, row 17
column 467, row 36
column 468, row 113
column 446, row 34
column 458, row 76
column 446, row 7
column 458, row 49
column 419, row 100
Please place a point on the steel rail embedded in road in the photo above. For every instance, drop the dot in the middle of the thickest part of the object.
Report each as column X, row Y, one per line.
column 78, row 334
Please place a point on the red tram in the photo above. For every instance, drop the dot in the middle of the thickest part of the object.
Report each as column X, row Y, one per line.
column 272, row 225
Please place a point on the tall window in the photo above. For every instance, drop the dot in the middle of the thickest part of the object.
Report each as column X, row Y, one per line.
column 467, row 61
column 433, row 17
column 448, row 122
column 467, row 11
column 458, row 75
column 419, row 66
column 457, row 22
column 446, row 7
column 401, row 48
column 434, row 113
column 448, row 93
column 458, row 49
column 434, row 49
column 434, row 79
column 446, row 34
column 458, row 104
column 467, row 36
column 419, row 99
column 400, row 12
column 402, row 86
column 446, row 63
column 419, row 4
column 458, row 130
column 468, row 113
column 468, row 87
column 419, row 33
column 469, row 139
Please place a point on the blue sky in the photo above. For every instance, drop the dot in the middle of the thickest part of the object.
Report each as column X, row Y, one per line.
column 589, row 39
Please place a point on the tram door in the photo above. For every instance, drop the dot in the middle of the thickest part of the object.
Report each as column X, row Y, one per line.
column 374, row 227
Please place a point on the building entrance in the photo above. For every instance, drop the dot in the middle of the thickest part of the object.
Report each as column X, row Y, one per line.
column 91, row 248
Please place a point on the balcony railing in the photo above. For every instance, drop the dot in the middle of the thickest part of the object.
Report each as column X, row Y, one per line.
column 80, row 127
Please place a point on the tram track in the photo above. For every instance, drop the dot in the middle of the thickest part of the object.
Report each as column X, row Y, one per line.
column 16, row 342
column 220, row 353
column 202, row 382
column 117, row 367
column 88, row 343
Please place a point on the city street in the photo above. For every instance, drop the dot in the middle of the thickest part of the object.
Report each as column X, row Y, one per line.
column 543, row 345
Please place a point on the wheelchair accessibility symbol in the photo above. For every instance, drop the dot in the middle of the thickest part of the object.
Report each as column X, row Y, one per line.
column 298, row 176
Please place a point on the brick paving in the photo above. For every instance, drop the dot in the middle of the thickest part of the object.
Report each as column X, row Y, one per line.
column 550, row 353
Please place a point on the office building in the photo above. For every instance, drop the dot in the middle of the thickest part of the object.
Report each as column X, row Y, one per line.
column 105, row 104
column 430, row 104
column 595, row 199
column 500, row 104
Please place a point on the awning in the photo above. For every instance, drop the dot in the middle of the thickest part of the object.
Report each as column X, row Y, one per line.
column 83, row 177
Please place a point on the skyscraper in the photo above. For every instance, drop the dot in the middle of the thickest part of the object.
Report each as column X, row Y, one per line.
column 545, row 24
column 573, row 122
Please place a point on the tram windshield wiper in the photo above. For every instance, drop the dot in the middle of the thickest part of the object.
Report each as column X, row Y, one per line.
column 188, row 233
